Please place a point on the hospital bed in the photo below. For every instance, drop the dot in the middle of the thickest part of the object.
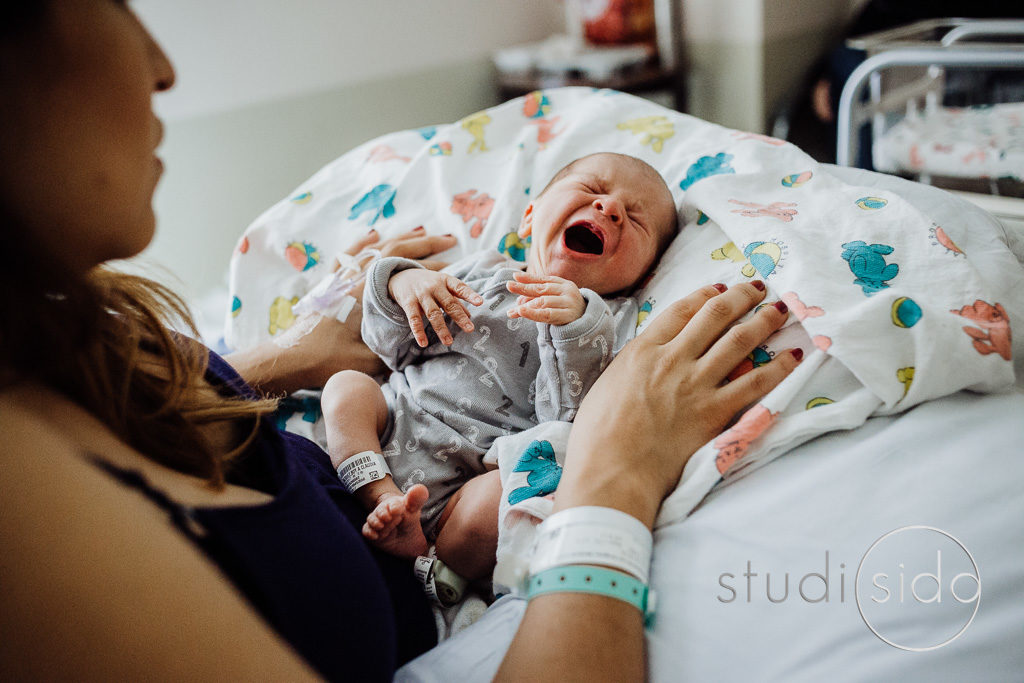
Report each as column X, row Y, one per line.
column 922, row 93
column 766, row 570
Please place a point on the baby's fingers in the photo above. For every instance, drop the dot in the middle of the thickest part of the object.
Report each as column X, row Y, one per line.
column 415, row 317
column 533, row 288
column 463, row 291
column 527, row 278
column 457, row 312
column 435, row 315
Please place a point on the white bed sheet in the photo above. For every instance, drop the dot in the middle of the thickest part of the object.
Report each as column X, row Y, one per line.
column 838, row 493
column 954, row 463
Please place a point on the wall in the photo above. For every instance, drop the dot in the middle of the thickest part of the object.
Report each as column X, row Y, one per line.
column 269, row 91
column 748, row 57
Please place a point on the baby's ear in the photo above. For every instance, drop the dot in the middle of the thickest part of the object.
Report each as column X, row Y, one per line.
column 526, row 225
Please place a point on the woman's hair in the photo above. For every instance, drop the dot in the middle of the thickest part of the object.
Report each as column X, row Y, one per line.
column 104, row 341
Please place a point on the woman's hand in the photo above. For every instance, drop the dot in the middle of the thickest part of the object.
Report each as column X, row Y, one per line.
column 315, row 347
column 660, row 400
column 664, row 396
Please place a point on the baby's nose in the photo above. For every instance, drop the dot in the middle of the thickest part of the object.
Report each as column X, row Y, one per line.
column 609, row 207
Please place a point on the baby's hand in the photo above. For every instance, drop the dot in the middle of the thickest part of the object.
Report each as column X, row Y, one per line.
column 546, row 299
column 426, row 294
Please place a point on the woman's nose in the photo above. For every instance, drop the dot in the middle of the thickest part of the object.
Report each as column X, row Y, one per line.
column 163, row 71
column 610, row 207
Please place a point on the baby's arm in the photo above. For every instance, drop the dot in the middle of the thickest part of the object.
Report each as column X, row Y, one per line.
column 573, row 355
column 387, row 328
column 427, row 295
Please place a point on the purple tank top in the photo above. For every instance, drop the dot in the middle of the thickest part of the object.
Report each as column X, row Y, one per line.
column 352, row 612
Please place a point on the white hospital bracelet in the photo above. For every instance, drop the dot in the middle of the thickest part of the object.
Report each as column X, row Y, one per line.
column 362, row 469
column 593, row 535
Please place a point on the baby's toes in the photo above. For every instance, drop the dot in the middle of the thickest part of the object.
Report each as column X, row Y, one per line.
column 385, row 512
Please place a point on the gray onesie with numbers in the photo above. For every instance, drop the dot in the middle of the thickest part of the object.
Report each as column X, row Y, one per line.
column 447, row 404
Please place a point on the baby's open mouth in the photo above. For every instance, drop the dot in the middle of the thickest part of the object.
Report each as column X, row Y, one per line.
column 584, row 238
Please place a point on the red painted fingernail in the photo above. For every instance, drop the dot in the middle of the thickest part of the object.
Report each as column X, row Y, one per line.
column 719, row 286
column 758, row 285
column 797, row 353
column 781, row 307
column 373, row 231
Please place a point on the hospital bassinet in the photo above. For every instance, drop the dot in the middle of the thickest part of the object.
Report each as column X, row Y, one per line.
column 944, row 105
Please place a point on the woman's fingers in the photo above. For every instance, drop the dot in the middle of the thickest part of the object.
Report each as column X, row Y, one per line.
column 673, row 319
column 433, row 264
column 716, row 316
column 739, row 340
column 366, row 240
column 418, row 245
column 754, row 385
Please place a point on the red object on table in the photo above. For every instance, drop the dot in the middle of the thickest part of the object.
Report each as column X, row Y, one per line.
column 618, row 22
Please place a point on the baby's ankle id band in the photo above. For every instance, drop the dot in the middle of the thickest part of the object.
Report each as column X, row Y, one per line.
column 361, row 469
column 441, row 584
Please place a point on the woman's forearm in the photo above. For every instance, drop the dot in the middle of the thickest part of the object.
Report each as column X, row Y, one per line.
column 306, row 355
column 271, row 370
column 576, row 636
column 579, row 636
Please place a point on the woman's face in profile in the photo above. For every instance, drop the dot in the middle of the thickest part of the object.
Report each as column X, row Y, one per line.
column 77, row 131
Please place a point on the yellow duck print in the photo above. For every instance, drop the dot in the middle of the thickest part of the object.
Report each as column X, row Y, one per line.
column 474, row 124
column 906, row 377
column 728, row 252
column 655, row 129
column 281, row 316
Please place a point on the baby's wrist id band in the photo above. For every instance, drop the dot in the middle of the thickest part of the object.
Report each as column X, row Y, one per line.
column 361, row 469
column 594, row 580
column 591, row 535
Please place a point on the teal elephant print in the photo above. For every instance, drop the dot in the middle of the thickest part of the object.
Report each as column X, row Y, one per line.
column 867, row 262
column 544, row 472
column 379, row 202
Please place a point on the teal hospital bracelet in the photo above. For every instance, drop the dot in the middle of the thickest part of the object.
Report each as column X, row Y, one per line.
column 595, row 580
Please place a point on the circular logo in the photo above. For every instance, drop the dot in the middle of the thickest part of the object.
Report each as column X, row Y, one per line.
column 918, row 588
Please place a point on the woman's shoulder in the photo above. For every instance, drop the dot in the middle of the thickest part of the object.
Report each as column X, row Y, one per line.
column 32, row 437
column 94, row 566
column 56, row 434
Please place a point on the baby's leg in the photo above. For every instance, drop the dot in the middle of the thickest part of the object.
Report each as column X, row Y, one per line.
column 468, row 538
column 355, row 415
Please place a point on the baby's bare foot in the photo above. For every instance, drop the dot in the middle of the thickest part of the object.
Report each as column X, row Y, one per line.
column 394, row 525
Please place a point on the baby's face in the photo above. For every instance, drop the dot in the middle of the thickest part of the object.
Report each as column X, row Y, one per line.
column 602, row 225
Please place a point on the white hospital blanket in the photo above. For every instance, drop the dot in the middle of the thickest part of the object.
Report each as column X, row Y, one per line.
column 974, row 142
column 887, row 306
